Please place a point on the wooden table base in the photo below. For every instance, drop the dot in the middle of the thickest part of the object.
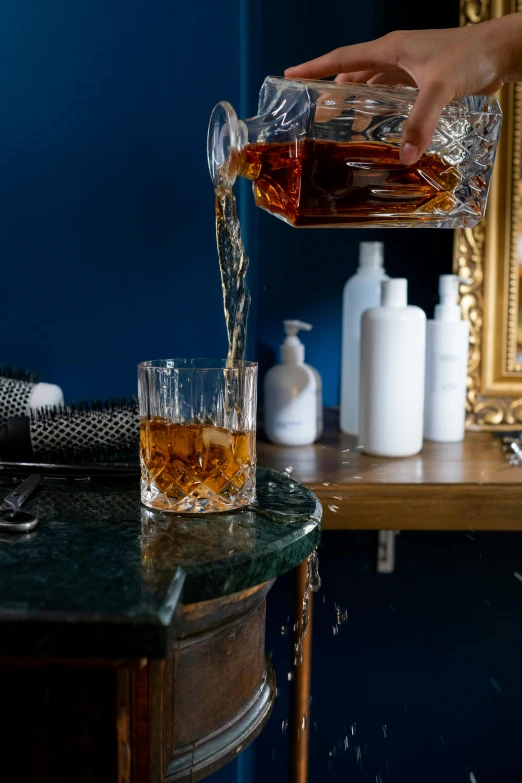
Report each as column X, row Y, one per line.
column 170, row 721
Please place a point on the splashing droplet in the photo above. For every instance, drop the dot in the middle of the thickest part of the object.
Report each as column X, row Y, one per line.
column 312, row 585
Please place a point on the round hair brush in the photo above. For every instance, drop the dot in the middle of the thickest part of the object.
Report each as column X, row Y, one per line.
column 74, row 433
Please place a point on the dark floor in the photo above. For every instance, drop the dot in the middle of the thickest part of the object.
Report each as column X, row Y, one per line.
column 423, row 682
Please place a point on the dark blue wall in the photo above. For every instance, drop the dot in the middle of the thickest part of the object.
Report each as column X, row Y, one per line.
column 425, row 672
column 106, row 206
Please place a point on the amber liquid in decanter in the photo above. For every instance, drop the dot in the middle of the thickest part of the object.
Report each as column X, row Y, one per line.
column 325, row 183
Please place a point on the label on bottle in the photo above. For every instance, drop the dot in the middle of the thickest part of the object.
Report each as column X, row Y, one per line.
column 292, row 419
column 447, row 373
column 445, row 401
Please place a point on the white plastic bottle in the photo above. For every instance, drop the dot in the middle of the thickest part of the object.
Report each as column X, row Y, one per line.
column 362, row 291
column 447, row 341
column 393, row 342
column 293, row 394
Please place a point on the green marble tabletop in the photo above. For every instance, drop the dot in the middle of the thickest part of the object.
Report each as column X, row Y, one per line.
column 101, row 576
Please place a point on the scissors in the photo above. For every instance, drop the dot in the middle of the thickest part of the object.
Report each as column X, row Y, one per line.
column 11, row 517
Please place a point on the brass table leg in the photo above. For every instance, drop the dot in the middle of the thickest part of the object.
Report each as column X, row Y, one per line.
column 300, row 716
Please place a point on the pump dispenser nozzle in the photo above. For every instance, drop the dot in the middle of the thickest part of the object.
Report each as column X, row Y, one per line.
column 292, row 350
column 292, row 327
column 448, row 289
column 448, row 309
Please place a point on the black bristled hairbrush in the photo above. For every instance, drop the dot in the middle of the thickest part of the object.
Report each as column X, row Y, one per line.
column 15, row 374
column 74, row 434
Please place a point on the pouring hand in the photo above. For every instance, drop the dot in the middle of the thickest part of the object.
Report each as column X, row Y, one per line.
column 443, row 64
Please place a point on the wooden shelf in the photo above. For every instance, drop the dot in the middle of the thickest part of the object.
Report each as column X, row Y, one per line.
column 452, row 486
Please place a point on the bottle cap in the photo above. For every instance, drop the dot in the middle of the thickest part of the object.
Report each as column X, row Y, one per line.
column 292, row 350
column 394, row 292
column 371, row 255
column 448, row 309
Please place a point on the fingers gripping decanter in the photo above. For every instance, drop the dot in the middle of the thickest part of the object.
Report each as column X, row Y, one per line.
column 322, row 154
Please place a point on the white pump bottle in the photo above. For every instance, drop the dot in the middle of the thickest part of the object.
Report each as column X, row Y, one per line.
column 362, row 291
column 447, row 340
column 293, row 394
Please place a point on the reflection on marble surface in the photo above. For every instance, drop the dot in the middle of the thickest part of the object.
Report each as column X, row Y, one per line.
column 193, row 540
column 224, row 553
column 101, row 564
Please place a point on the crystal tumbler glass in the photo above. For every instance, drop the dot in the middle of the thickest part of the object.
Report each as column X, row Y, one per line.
column 197, row 434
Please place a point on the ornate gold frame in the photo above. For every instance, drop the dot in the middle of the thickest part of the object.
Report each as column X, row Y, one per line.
column 487, row 256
